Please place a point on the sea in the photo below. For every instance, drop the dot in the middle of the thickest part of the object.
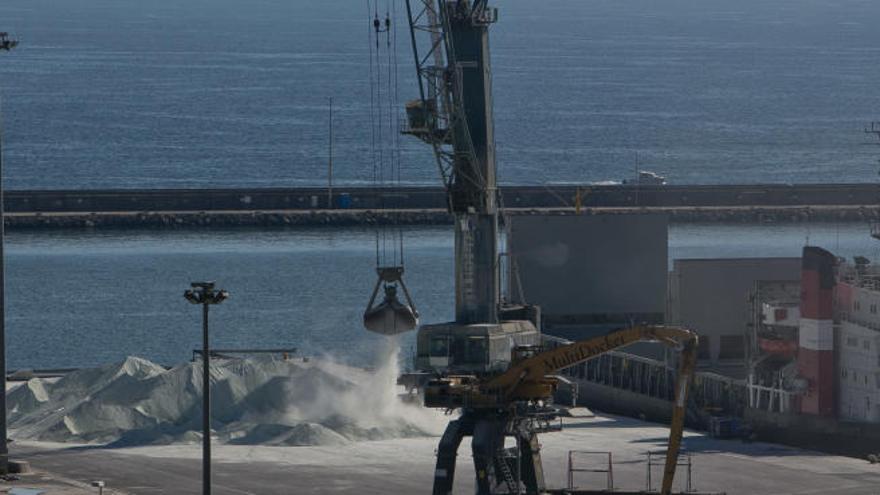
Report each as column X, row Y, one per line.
column 88, row 298
column 224, row 93
column 220, row 93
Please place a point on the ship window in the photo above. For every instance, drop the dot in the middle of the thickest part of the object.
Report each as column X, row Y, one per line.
column 852, row 341
column 856, row 306
column 866, row 344
column 877, row 379
column 873, row 309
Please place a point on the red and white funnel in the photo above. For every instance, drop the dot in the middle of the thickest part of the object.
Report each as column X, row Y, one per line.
column 816, row 332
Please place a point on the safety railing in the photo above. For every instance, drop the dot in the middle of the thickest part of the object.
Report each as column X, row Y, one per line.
column 605, row 456
column 225, row 353
column 658, row 458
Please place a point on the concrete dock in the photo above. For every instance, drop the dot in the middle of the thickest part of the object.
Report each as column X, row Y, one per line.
column 407, row 465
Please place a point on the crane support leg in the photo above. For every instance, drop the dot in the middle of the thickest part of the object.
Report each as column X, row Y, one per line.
column 530, row 461
column 487, row 442
column 444, row 473
column 679, row 409
column 488, row 434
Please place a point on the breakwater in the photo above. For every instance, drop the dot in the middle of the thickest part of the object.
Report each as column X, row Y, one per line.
column 426, row 198
column 351, row 218
column 359, row 206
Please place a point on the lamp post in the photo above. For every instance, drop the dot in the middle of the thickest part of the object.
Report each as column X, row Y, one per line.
column 203, row 293
column 6, row 44
column 330, row 160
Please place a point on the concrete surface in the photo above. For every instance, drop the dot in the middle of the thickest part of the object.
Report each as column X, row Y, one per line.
column 406, row 465
column 50, row 484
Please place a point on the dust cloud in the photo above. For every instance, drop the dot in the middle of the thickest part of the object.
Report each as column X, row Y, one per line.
column 255, row 401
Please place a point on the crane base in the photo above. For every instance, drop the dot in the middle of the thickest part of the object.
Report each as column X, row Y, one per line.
column 497, row 471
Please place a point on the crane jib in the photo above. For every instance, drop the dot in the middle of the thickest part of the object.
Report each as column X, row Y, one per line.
column 581, row 352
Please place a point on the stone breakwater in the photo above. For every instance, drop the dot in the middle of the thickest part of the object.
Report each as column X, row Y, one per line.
column 355, row 218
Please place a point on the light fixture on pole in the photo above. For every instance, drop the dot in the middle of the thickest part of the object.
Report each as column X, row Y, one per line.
column 203, row 293
column 99, row 485
column 6, row 44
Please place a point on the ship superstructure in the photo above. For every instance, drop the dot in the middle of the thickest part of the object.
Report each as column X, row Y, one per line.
column 816, row 349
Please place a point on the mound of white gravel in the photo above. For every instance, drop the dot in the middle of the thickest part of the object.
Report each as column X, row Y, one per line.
column 254, row 401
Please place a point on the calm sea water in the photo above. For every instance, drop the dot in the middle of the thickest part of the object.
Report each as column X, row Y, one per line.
column 221, row 93
column 78, row 299
column 192, row 93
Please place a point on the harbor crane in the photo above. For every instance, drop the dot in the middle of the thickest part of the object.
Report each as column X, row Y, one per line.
column 489, row 362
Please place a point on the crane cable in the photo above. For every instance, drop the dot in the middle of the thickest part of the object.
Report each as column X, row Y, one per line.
column 395, row 113
column 391, row 316
column 385, row 150
column 373, row 156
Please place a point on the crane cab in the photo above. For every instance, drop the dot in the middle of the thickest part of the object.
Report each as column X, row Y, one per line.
column 451, row 348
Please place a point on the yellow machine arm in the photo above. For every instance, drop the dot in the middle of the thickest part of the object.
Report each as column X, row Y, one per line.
column 527, row 378
column 533, row 370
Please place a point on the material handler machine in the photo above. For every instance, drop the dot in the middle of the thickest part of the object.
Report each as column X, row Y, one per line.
column 488, row 362
column 496, row 406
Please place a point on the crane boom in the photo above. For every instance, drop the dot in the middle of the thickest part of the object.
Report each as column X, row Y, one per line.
column 546, row 363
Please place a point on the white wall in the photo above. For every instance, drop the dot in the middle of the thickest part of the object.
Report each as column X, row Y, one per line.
column 711, row 295
column 577, row 265
column 865, row 306
column 858, row 370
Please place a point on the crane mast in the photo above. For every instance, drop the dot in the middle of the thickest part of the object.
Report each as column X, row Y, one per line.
column 454, row 115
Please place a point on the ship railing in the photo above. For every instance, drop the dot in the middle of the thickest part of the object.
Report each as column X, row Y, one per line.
column 782, row 398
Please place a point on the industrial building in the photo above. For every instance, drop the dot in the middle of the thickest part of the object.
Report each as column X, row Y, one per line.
column 710, row 296
column 590, row 274
column 789, row 345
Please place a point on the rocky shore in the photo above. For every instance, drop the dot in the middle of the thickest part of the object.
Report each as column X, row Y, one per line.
column 353, row 218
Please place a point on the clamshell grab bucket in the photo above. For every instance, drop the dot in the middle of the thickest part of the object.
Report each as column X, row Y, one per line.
column 390, row 317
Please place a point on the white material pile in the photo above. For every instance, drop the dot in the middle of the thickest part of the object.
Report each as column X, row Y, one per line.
column 254, row 401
